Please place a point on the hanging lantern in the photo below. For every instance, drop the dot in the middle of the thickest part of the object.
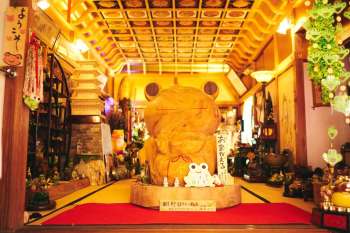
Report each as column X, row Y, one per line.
column 268, row 131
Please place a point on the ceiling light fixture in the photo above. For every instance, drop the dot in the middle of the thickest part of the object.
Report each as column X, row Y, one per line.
column 263, row 76
column 43, row 4
column 81, row 46
column 284, row 26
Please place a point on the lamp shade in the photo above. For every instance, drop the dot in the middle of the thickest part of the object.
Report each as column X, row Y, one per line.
column 263, row 76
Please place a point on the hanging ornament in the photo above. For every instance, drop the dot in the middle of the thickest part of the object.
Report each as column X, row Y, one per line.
column 331, row 83
column 341, row 103
column 332, row 132
column 34, row 75
column 342, row 88
column 307, row 3
column 332, row 157
column 338, row 19
column 331, row 95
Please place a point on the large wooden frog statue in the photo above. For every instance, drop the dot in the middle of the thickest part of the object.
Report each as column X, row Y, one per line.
column 181, row 122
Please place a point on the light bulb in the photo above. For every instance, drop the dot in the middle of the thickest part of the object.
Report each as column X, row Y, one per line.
column 81, row 46
column 43, row 4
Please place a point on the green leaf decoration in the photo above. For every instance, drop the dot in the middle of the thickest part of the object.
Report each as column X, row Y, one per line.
column 332, row 157
column 347, row 14
column 339, row 7
column 341, row 103
column 331, row 83
column 324, row 52
column 32, row 103
column 332, row 132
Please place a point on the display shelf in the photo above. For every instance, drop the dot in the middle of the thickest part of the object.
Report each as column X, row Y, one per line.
column 50, row 125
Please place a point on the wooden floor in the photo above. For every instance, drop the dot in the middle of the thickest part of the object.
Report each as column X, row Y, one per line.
column 119, row 192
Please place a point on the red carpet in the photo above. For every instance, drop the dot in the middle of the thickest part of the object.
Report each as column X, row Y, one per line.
column 252, row 213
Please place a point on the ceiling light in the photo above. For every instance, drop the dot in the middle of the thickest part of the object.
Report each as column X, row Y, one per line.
column 263, row 76
column 43, row 4
column 284, row 26
column 81, row 46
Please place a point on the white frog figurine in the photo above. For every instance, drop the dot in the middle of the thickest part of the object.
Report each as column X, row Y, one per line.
column 199, row 176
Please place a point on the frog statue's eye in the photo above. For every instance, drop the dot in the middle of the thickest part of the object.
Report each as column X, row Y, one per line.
column 204, row 166
column 192, row 166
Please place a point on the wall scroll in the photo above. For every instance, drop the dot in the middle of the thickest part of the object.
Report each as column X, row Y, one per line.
column 222, row 148
column 14, row 36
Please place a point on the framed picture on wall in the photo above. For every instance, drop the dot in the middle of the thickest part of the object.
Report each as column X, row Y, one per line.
column 317, row 96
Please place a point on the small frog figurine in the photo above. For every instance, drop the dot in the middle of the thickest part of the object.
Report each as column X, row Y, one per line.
column 199, row 176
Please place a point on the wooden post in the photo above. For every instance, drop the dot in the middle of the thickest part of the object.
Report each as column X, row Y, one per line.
column 300, row 122
column 15, row 140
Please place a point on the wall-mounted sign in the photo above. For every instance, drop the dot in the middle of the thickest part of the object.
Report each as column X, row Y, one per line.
column 45, row 29
column 222, row 149
column 14, row 37
column 187, row 205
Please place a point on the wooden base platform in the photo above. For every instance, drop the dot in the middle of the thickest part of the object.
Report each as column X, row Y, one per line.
column 65, row 188
column 150, row 195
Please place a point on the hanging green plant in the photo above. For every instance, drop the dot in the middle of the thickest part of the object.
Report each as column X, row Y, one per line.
column 325, row 53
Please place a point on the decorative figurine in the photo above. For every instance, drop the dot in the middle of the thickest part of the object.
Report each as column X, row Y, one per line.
column 165, row 182
column 176, row 182
column 199, row 176
column 217, row 180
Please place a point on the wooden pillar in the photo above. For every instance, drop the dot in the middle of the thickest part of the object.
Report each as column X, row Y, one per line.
column 15, row 140
column 300, row 122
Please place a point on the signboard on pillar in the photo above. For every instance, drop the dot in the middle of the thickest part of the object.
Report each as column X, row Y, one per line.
column 14, row 36
column 222, row 150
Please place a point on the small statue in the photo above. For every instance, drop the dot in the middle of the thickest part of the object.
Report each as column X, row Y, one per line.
column 217, row 181
column 199, row 176
column 165, row 182
column 176, row 182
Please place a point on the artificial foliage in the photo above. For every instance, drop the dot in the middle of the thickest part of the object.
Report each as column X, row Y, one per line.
column 325, row 52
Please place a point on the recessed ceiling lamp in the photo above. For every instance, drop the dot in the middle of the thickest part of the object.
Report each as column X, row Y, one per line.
column 284, row 26
column 43, row 4
column 81, row 46
column 263, row 76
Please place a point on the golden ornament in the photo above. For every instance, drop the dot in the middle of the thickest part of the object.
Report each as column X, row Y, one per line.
column 331, row 95
column 342, row 87
column 338, row 18
column 307, row 3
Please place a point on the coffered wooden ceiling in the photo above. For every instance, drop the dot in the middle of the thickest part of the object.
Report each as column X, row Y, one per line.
column 170, row 34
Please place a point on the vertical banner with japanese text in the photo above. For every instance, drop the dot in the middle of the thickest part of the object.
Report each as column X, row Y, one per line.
column 14, row 36
column 222, row 150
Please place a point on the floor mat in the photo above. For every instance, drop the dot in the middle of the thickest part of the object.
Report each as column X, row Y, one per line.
column 245, row 213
